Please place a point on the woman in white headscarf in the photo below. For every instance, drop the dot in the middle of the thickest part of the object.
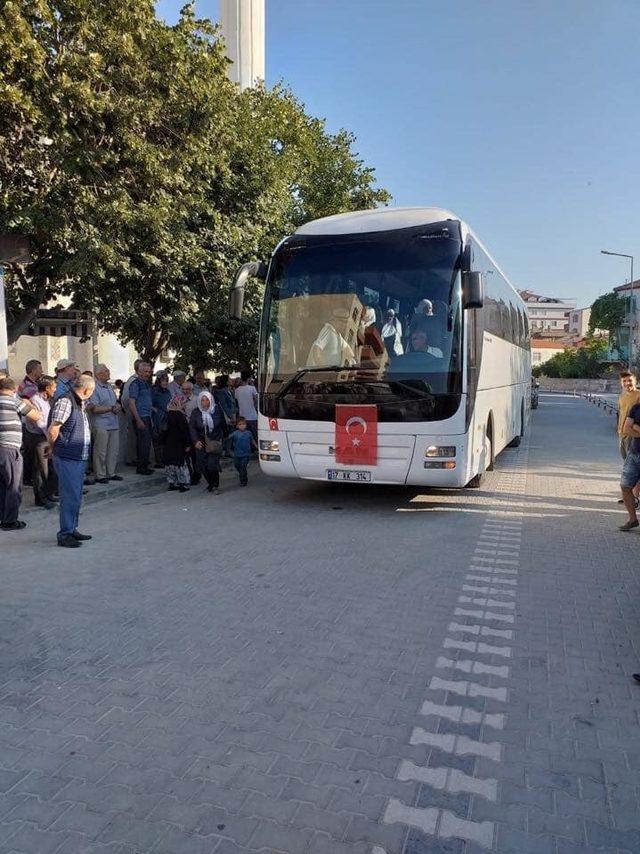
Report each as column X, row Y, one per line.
column 208, row 428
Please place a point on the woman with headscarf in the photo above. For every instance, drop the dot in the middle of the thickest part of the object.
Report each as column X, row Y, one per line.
column 177, row 446
column 208, row 429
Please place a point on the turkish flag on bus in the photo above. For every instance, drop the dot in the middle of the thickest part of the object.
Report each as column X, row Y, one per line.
column 357, row 435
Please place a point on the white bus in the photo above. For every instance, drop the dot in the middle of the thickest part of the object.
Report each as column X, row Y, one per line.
column 393, row 350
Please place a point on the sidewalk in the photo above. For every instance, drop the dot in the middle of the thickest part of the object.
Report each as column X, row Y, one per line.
column 132, row 485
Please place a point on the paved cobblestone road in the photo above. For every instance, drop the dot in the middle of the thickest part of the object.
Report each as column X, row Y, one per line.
column 302, row 668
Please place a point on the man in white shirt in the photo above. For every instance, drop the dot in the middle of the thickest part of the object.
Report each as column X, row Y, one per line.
column 247, row 397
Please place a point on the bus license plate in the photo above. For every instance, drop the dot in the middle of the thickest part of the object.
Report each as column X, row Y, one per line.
column 340, row 474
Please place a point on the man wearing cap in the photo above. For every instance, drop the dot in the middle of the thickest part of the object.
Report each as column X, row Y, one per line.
column 66, row 373
column 70, row 439
column 175, row 386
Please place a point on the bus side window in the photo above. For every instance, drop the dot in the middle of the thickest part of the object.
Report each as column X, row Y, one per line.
column 523, row 334
column 515, row 324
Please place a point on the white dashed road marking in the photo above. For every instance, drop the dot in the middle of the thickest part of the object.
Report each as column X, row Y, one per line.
column 494, row 565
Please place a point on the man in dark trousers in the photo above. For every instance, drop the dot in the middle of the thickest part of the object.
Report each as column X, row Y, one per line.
column 11, row 408
column 70, row 439
column 140, row 407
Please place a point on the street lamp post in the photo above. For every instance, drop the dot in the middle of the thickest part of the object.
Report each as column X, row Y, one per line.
column 631, row 303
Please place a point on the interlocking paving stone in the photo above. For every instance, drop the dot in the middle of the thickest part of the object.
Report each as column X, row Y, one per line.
column 252, row 685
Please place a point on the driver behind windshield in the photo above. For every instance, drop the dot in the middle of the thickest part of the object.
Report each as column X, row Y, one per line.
column 419, row 360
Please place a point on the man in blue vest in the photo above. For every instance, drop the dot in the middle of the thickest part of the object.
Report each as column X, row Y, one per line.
column 70, row 438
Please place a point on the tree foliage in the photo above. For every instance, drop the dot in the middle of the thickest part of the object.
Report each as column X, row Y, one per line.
column 144, row 177
column 576, row 362
column 607, row 313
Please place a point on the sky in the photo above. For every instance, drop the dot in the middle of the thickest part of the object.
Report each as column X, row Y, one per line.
column 521, row 116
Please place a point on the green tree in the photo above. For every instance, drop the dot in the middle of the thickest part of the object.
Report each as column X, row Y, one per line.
column 576, row 362
column 144, row 178
column 607, row 313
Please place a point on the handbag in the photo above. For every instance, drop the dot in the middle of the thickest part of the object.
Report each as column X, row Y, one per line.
column 212, row 446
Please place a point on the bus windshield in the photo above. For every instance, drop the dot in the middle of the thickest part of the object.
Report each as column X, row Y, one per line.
column 375, row 317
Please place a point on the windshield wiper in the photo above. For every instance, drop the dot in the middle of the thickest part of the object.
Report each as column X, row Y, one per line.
column 302, row 371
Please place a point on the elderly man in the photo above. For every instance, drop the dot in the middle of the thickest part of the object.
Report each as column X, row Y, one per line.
column 29, row 385
column 70, row 438
column 66, row 373
column 141, row 407
column 104, row 410
column 11, row 408
column 200, row 382
column 124, row 403
column 175, row 386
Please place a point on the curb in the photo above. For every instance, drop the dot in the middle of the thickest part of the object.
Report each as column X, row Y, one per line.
column 102, row 492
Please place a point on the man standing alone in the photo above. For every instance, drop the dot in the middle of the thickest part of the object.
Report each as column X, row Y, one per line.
column 106, row 428
column 70, row 438
column 631, row 468
column 140, row 407
column 629, row 397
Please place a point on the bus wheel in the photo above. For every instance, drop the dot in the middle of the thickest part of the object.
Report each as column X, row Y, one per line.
column 476, row 480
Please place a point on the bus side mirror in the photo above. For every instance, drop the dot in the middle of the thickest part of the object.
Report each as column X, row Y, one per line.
column 472, row 290
column 236, row 296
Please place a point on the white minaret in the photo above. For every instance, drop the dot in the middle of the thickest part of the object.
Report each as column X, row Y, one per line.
column 243, row 30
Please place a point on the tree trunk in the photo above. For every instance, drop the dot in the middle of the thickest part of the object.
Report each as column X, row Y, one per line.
column 19, row 322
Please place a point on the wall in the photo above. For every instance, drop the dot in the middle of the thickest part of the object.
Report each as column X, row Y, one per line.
column 607, row 386
column 545, row 354
column 48, row 350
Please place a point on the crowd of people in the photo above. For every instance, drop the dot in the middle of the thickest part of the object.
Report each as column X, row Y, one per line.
column 61, row 434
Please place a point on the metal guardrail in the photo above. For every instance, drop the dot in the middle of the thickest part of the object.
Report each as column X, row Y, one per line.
column 600, row 402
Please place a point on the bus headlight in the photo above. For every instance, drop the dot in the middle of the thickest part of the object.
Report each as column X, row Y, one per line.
column 439, row 464
column 268, row 445
column 440, row 451
column 271, row 458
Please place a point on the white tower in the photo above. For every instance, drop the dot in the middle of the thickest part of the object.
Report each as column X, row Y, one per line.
column 243, row 30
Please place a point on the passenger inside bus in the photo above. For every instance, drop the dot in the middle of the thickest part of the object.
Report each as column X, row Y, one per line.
column 431, row 318
column 419, row 359
column 330, row 347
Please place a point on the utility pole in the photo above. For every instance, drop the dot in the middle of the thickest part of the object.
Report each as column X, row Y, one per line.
column 632, row 316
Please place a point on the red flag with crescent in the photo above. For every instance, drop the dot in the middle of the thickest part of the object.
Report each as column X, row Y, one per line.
column 357, row 434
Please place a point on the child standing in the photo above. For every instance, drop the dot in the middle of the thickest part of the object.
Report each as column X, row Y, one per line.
column 242, row 441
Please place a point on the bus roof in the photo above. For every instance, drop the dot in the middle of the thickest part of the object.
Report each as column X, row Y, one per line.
column 389, row 219
column 379, row 219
